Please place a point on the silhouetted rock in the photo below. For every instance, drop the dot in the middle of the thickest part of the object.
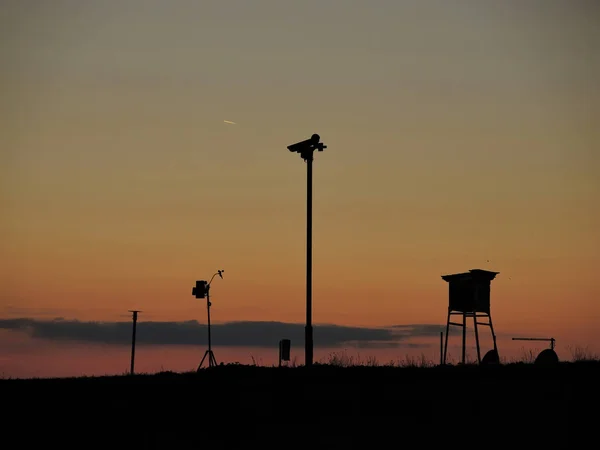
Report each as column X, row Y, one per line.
column 547, row 357
column 491, row 358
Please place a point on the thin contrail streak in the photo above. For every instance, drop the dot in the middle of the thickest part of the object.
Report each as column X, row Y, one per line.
column 229, row 121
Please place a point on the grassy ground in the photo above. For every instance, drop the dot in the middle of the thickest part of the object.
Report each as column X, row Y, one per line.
column 339, row 404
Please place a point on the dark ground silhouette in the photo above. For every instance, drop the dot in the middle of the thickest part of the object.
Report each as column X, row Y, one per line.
column 234, row 406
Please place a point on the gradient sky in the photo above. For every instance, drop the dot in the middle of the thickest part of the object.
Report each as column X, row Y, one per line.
column 460, row 135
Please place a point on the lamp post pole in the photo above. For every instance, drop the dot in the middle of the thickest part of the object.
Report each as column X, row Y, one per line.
column 134, row 317
column 306, row 149
column 308, row 331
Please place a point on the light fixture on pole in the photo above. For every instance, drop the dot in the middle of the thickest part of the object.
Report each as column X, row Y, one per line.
column 306, row 149
column 202, row 290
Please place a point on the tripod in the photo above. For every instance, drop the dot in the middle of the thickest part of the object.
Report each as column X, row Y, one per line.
column 212, row 362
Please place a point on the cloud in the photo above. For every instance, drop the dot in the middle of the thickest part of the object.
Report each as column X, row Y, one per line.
column 235, row 334
column 432, row 330
column 422, row 330
column 17, row 311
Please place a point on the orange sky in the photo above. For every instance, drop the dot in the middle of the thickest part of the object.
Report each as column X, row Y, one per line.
column 456, row 135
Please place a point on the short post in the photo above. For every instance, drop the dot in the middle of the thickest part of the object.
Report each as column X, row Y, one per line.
column 284, row 350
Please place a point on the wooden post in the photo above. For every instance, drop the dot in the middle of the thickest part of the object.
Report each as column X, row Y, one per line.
column 135, row 316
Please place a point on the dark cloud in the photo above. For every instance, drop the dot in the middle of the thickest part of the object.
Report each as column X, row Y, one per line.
column 238, row 334
column 432, row 330
column 424, row 330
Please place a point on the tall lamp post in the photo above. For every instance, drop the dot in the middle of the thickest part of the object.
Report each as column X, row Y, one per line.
column 202, row 290
column 306, row 149
column 134, row 317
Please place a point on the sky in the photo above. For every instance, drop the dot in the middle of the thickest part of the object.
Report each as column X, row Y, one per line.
column 460, row 135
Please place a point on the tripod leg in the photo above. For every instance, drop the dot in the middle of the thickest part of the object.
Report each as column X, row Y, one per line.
column 493, row 335
column 447, row 330
column 213, row 359
column 203, row 358
column 476, row 337
column 464, row 339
